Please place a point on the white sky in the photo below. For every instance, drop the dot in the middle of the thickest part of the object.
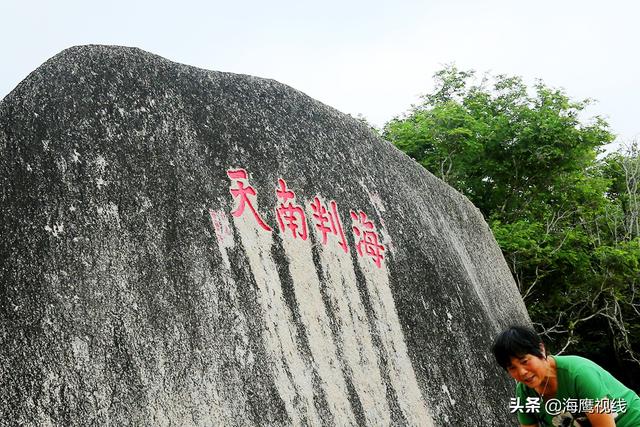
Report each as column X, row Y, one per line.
column 362, row 57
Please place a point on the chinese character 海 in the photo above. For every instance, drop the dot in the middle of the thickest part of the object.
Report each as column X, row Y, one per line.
column 242, row 192
column 571, row 405
column 328, row 221
column 367, row 240
column 289, row 214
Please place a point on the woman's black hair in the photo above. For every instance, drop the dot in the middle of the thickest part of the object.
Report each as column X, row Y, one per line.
column 516, row 341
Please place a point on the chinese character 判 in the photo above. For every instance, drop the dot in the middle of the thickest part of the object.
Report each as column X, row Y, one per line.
column 369, row 242
column 242, row 192
column 328, row 221
column 290, row 215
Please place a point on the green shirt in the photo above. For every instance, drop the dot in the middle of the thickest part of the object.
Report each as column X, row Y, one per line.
column 579, row 381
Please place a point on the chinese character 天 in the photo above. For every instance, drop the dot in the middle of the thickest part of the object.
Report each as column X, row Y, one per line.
column 242, row 191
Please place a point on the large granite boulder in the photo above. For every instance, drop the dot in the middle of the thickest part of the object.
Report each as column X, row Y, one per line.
column 189, row 247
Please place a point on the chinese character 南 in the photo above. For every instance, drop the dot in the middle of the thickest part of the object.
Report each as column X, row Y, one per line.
column 328, row 221
column 290, row 215
column 242, row 192
column 367, row 240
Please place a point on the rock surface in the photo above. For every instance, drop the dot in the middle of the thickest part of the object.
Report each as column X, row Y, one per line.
column 164, row 260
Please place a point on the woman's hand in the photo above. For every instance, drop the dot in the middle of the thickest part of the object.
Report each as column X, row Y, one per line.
column 601, row 420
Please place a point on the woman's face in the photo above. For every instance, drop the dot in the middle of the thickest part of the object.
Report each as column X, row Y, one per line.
column 528, row 369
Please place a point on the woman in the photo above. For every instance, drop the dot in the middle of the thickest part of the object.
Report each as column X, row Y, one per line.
column 562, row 390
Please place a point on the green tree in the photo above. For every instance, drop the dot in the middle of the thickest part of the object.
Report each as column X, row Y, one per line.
column 563, row 218
column 503, row 148
column 623, row 169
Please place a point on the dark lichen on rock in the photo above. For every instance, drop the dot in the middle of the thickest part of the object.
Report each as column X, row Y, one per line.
column 122, row 302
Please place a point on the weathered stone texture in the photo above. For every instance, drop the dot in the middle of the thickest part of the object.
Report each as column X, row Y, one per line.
column 129, row 294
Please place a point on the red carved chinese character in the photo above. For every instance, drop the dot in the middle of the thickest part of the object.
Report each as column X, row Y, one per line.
column 243, row 192
column 328, row 221
column 220, row 225
column 369, row 242
column 290, row 215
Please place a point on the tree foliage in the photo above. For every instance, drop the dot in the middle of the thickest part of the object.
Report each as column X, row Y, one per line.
column 567, row 221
